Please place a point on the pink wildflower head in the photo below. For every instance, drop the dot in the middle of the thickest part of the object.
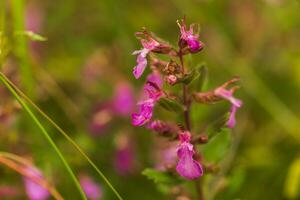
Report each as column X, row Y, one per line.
column 92, row 190
column 153, row 91
column 33, row 190
column 189, row 38
column 187, row 167
column 123, row 100
column 148, row 45
column 146, row 111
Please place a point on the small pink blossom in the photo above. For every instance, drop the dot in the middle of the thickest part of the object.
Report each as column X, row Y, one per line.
column 146, row 111
column 153, row 93
column 141, row 60
column 33, row 190
column 92, row 190
column 190, row 37
column 236, row 103
column 187, row 167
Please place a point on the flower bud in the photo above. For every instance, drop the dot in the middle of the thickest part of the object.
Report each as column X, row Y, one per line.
column 171, row 79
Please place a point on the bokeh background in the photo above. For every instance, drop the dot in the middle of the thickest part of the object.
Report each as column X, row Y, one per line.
column 78, row 72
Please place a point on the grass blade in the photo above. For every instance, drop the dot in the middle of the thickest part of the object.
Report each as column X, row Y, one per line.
column 77, row 147
column 46, row 135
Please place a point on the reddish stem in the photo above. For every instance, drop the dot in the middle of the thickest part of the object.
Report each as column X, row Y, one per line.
column 187, row 105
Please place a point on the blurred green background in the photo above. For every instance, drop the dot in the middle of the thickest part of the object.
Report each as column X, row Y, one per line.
column 89, row 50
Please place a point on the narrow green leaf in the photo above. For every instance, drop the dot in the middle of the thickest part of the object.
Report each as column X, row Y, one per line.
column 31, row 35
column 69, row 139
column 170, row 105
column 46, row 135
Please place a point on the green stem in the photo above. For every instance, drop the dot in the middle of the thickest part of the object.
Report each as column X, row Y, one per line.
column 78, row 148
column 46, row 135
column 21, row 46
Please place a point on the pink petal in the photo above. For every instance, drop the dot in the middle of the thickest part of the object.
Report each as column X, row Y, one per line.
column 188, row 168
column 231, row 122
column 141, row 63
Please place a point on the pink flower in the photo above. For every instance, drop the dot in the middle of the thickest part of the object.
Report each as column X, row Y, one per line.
column 141, row 60
column 33, row 190
column 187, row 167
column 190, row 38
column 236, row 103
column 92, row 190
column 123, row 100
column 146, row 111
column 153, row 92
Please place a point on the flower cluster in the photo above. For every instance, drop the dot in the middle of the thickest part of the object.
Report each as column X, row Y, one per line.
column 173, row 71
column 153, row 92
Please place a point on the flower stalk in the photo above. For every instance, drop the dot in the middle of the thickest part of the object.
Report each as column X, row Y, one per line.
column 189, row 161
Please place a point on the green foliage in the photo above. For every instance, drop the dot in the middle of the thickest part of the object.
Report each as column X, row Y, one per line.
column 164, row 180
column 170, row 105
column 292, row 183
column 218, row 145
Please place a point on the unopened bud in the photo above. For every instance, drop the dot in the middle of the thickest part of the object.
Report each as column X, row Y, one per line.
column 171, row 79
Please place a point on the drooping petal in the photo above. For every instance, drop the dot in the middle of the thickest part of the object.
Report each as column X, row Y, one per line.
column 92, row 190
column 141, row 65
column 187, row 167
column 231, row 122
column 33, row 190
column 146, row 111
